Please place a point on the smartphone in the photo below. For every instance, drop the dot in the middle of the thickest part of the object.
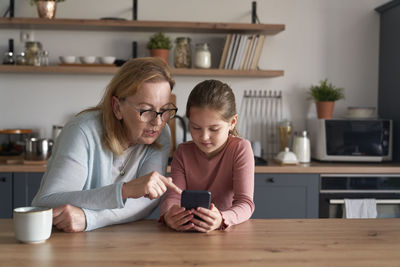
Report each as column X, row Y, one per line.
column 191, row 199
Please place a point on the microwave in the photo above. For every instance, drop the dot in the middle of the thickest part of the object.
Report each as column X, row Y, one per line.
column 368, row 140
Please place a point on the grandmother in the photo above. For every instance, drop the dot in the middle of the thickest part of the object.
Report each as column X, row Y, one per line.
column 109, row 162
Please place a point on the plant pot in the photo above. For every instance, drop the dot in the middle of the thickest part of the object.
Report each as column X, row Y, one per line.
column 46, row 9
column 325, row 109
column 161, row 53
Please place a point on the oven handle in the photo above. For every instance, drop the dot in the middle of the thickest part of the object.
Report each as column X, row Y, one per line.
column 378, row 201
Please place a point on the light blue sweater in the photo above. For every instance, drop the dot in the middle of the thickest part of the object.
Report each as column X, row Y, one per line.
column 79, row 173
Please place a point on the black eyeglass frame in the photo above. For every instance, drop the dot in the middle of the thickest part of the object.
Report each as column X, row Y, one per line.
column 154, row 112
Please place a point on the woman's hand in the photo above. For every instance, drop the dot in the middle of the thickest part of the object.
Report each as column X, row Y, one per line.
column 69, row 218
column 176, row 218
column 152, row 186
column 212, row 219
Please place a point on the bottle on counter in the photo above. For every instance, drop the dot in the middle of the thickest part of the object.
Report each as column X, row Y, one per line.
column 301, row 147
column 202, row 56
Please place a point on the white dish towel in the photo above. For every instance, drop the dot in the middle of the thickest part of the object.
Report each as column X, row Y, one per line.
column 360, row 208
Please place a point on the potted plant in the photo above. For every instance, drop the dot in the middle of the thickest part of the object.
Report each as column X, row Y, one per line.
column 159, row 46
column 46, row 8
column 325, row 94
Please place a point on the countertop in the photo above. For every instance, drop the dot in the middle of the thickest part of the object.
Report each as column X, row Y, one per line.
column 272, row 167
column 289, row 242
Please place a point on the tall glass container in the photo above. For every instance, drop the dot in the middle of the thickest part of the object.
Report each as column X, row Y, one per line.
column 202, row 56
column 183, row 53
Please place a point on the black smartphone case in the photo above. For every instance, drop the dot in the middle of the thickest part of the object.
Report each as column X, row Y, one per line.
column 192, row 199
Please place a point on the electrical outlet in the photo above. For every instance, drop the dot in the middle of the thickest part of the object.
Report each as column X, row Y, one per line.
column 26, row 36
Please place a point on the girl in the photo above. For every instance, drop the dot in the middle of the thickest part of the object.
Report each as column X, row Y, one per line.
column 216, row 160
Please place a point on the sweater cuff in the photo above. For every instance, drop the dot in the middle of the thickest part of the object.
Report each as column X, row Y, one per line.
column 224, row 225
column 120, row 201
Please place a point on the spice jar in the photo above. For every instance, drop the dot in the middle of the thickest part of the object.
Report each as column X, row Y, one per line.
column 202, row 56
column 183, row 54
column 33, row 53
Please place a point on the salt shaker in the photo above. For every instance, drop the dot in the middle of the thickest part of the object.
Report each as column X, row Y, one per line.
column 301, row 148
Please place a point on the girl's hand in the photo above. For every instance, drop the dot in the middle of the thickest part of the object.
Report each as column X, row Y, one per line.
column 152, row 186
column 176, row 218
column 212, row 219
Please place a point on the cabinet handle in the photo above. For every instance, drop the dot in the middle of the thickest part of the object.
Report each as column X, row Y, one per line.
column 270, row 180
column 3, row 179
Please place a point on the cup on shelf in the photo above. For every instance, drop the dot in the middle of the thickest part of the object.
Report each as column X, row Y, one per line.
column 32, row 224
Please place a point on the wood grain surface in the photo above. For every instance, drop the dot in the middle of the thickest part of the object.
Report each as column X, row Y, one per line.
column 290, row 242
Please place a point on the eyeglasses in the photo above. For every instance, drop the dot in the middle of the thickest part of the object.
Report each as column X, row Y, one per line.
column 149, row 115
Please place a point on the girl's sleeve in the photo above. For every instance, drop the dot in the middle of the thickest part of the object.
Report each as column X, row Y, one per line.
column 178, row 177
column 243, row 186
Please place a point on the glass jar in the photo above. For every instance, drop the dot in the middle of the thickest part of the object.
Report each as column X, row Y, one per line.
column 33, row 53
column 8, row 58
column 44, row 58
column 202, row 56
column 21, row 60
column 183, row 53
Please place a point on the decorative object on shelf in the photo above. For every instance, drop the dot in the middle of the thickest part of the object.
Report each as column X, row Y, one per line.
column 325, row 96
column 9, row 57
column 183, row 53
column 33, row 52
column 159, row 46
column 46, row 8
column 285, row 134
column 202, row 56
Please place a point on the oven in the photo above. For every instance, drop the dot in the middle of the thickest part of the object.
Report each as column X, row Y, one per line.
column 334, row 188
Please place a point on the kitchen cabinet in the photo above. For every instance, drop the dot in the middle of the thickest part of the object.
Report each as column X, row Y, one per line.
column 17, row 190
column 25, row 187
column 6, row 207
column 389, row 66
column 140, row 26
column 286, row 196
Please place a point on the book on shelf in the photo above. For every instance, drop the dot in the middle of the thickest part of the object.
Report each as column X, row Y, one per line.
column 225, row 51
column 229, row 55
column 252, row 50
column 234, row 51
column 249, row 44
column 257, row 52
column 240, row 52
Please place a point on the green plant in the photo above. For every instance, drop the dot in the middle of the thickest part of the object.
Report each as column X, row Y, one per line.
column 34, row 1
column 159, row 41
column 325, row 92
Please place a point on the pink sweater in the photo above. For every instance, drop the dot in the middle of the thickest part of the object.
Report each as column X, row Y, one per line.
column 229, row 176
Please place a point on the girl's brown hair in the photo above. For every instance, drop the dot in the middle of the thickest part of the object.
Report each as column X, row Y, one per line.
column 125, row 83
column 215, row 95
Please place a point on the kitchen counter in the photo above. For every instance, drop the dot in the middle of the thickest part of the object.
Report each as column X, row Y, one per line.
column 290, row 242
column 272, row 167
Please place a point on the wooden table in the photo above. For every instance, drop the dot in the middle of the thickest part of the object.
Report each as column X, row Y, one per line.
column 290, row 242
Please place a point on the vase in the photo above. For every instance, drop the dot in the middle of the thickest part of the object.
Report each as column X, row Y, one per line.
column 161, row 53
column 325, row 109
column 46, row 9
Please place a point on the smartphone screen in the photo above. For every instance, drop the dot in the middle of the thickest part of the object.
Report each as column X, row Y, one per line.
column 191, row 199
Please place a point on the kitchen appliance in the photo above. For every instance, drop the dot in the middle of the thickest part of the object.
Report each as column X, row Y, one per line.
column 334, row 188
column 351, row 139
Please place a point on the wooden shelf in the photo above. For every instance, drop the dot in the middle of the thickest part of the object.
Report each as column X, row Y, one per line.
column 144, row 26
column 112, row 70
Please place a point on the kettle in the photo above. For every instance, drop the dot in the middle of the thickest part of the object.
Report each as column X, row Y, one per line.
column 301, row 147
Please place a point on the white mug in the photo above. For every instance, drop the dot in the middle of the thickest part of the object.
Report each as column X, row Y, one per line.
column 32, row 224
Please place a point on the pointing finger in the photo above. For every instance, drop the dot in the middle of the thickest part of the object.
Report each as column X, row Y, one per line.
column 168, row 182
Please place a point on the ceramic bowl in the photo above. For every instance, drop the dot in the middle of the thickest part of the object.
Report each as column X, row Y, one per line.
column 67, row 59
column 87, row 59
column 360, row 112
column 107, row 60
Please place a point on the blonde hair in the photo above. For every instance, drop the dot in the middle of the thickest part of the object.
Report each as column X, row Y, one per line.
column 125, row 83
column 215, row 95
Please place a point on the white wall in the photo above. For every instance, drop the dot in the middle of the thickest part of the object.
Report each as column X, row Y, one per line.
column 337, row 40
